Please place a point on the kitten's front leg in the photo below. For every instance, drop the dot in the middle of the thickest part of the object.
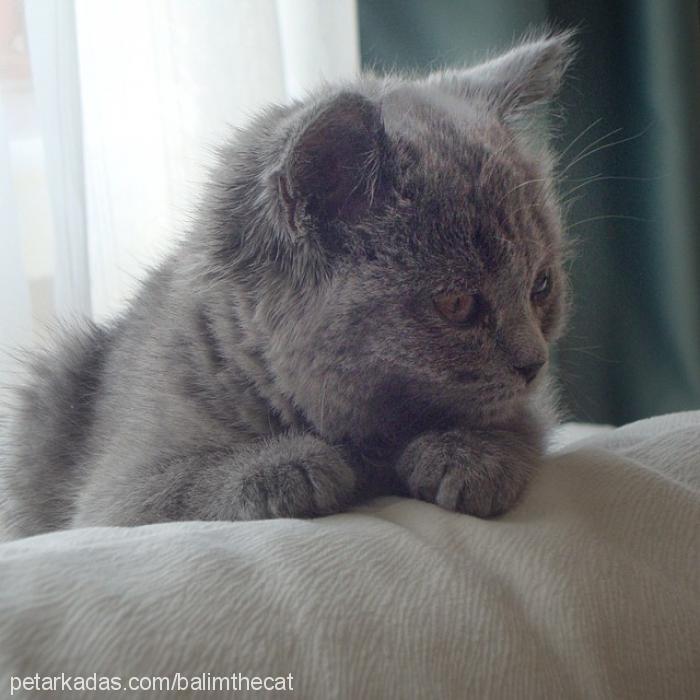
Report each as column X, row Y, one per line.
column 291, row 476
column 480, row 471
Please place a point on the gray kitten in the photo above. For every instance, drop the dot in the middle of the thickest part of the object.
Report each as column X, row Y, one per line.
column 364, row 307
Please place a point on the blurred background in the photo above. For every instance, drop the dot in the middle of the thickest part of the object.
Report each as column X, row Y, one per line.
column 110, row 111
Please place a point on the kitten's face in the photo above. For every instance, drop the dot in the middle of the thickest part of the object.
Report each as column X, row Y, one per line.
column 449, row 301
column 440, row 242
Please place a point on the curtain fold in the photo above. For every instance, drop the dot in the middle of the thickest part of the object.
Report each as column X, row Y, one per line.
column 15, row 310
column 52, row 46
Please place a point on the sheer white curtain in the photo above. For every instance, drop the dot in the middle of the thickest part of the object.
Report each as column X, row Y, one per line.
column 15, row 308
column 131, row 97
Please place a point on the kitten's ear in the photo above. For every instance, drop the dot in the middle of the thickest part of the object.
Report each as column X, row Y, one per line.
column 335, row 165
column 528, row 74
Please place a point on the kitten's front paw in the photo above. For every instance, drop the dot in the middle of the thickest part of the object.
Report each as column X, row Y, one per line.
column 294, row 479
column 479, row 473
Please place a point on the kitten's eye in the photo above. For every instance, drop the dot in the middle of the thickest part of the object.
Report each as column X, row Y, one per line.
column 542, row 286
column 456, row 307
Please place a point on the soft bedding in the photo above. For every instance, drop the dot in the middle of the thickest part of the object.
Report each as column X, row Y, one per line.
column 590, row 588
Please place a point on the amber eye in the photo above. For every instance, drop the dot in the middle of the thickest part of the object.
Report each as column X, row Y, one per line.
column 456, row 307
column 542, row 286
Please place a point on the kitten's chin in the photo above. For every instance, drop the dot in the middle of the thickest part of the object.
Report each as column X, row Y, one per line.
column 509, row 401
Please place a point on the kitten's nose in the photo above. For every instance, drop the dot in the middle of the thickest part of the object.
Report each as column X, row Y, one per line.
column 530, row 371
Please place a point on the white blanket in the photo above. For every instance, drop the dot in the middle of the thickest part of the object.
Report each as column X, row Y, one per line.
column 589, row 589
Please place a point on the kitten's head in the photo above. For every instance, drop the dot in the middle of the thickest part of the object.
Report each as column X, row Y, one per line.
column 418, row 226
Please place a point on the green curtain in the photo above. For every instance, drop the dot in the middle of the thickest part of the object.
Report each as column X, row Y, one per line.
column 633, row 345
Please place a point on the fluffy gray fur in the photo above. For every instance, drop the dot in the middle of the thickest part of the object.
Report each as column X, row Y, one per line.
column 288, row 358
